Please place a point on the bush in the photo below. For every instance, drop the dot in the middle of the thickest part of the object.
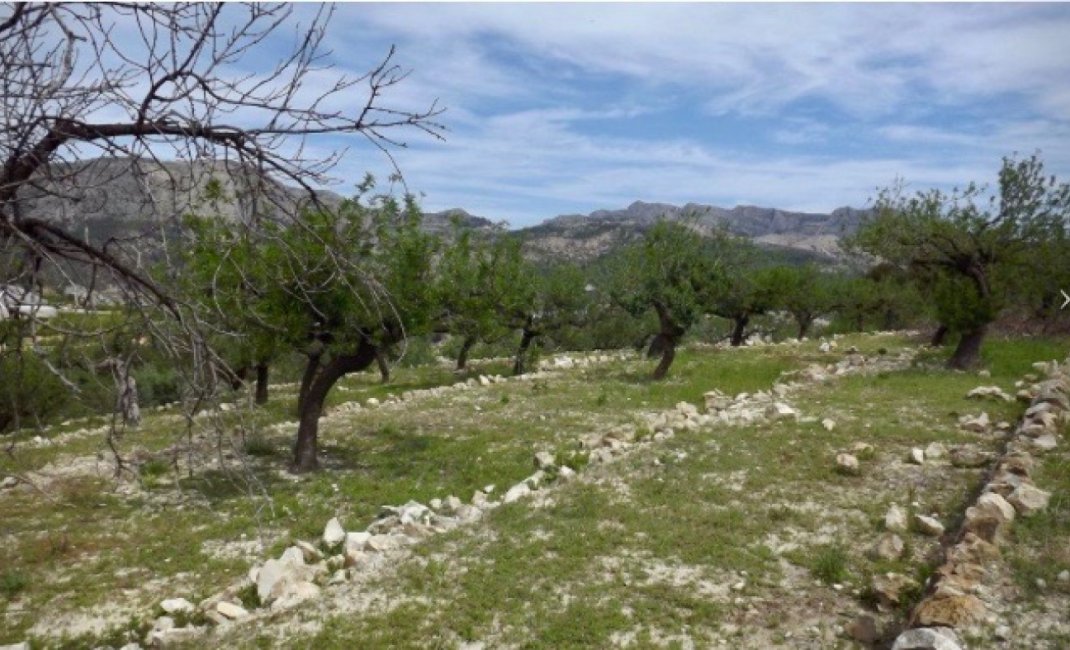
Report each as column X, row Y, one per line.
column 30, row 391
column 158, row 384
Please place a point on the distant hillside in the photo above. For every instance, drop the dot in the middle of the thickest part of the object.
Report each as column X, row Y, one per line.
column 583, row 237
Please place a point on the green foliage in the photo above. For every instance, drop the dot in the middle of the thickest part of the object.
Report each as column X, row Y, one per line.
column 30, row 392
column 829, row 564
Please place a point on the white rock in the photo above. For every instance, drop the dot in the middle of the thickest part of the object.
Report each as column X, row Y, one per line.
column 231, row 610
column 1046, row 442
column 847, row 463
column 935, row 450
column 293, row 555
column 271, row 574
column 333, row 533
column 380, row 543
column 895, row 519
column 565, row 472
column 996, row 503
column 780, row 411
column 929, row 525
column 295, row 593
column 8, row 482
column 516, row 492
column 928, row 638
column 829, row 424
column 1028, row 499
column 917, row 456
column 1064, row 576
column 824, row 347
column 309, row 552
column 978, row 424
column 371, row 402
column 176, row 606
column 544, row 459
column 357, row 540
column 24, row 645
column 452, row 503
column 994, row 392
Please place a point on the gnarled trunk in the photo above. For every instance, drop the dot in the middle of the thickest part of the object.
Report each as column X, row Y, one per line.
column 525, row 343
column 311, row 368
column 384, row 365
column 804, row 323
column 325, row 375
column 939, row 336
column 238, row 377
column 968, row 352
column 738, row 328
column 262, row 370
column 665, row 341
column 466, row 347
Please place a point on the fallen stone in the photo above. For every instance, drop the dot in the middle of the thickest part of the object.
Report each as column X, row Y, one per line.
column 896, row 519
column 829, row 424
column 231, row 610
column 966, row 457
column 847, row 464
column 928, row 525
column 862, row 629
column 544, row 459
column 950, row 611
column 780, row 411
column 978, row 424
column 176, row 606
column 935, row 450
column 1028, row 499
column 889, row 588
column 1046, row 442
column 8, row 482
column 310, row 553
column 333, row 533
column 889, row 546
column 516, row 492
column 452, row 503
column 380, row 543
column 917, row 456
column 294, row 594
column 565, row 473
column 926, row 638
column 357, row 540
column 989, row 392
column 292, row 555
column 996, row 504
column 1064, row 576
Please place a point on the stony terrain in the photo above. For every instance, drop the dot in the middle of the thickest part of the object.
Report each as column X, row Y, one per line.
column 801, row 495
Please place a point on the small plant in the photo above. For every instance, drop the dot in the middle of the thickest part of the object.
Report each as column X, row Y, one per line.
column 249, row 597
column 504, row 399
column 153, row 468
column 11, row 583
column 830, row 564
column 603, row 398
column 258, row 445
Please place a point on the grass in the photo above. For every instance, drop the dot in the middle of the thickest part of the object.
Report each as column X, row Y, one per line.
column 648, row 548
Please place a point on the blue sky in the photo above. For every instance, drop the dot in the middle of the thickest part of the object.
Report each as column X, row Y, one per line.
column 557, row 108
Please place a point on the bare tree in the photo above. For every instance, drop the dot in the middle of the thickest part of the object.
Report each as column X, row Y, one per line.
column 94, row 92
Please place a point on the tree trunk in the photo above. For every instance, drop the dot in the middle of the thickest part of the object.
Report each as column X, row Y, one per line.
column 466, row 347
column 968, row 352
column 238, row 377
column 665, row 341
column 525, row 342
column 939, row 336
column 860, row 323
column 262, row 369
column 305, row 447
column 804, row 326
column 384, row 365
column 311, row 368
column 738, row 329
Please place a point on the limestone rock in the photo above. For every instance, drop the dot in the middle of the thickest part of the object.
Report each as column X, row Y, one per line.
column 926, row 638
column 989, row 392
column 1046, row 442
column 847, row 464
column 544, row 459
column 309, row 552
column 829, row 424
column 780, row 411
column 888, row 547
column 917, row 456
column 862, row 629
column 896, row 519
column 333, row 533
column 565, row 473
column 1028, row 499
column 928, row 525
column 8, row 482
column 294, row 594
column 231, row 610
column 889, row 588
column 176, row 606
column 356, row 541
column 516, row 492
column 997, row 504
column 978, row 424
column 950, row 611
column 935, row 450
column 967, row 456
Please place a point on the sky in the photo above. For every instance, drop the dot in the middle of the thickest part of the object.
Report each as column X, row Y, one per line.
column 569, row 108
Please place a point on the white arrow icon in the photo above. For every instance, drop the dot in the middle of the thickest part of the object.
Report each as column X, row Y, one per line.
column 1066, row 299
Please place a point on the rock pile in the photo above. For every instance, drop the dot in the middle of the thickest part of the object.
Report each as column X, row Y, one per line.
column 952, row 598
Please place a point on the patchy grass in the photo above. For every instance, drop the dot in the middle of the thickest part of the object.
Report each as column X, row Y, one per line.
column 732, row 533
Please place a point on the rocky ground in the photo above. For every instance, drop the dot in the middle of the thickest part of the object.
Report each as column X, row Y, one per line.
column 802, row 495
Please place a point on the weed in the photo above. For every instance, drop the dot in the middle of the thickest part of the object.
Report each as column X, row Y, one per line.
column 829, row 564
column 12, row 582
column 259, row 445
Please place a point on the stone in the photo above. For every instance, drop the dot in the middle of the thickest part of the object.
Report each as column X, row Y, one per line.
column 824, row 348
column 516, row 492
column 24, row 645
column 780, row 411
column 950, row 611
column 917, row 456
column 176, row 606
column 544, row 459
column 928, row 525
column 993, row 392
column 889, row 587
column 380, row 543
column 862, row 629
column 971, row 549
column 294, row 594
column 935, row 450
column 271, row 574
column 896, row 519
column 371, row 402
column 1028, row 499
column 995, row 503
column 926, row 638
column 716, row 401
column 978, row 424
column 333, row 533
column 310, row 553
column 847, row 464
column 231, row 610
column 1064, row 576
column 1046, row 442
column 565, row 473
column 829, row 424
column 357, row 540
column 889, row 546
column 966, row 456
column 292, row 555
column 8, row 482
column 452, row 503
